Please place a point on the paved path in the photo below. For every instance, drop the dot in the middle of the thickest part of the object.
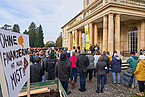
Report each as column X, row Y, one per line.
column 110, row 90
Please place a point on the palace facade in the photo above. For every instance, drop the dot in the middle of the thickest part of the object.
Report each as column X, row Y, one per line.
column 112, row 24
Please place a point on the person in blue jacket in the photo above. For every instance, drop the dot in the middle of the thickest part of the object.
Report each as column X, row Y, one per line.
column 116, row 68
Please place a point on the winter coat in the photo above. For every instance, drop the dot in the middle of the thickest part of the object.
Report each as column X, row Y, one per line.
column 100, row 67
column 140, row 71
column 73, row 60
column 96, row 59
column 116, row 65
column 50, row 66
column 63, row 68
column 36, row 73
column 106, row 59
column 133, row 60
column 91, row 61
column 82, row 62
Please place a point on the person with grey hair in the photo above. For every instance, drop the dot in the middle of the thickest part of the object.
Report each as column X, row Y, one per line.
column 82, row 63
column 107, row 60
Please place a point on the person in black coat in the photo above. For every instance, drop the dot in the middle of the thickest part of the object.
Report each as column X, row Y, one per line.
column 50, row 66
column 63, row 70
column 82, row 63
column 36, row 71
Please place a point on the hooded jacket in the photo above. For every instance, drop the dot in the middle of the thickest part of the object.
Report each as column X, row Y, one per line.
column 73, row 60
column 140, row 71
column 91, row 61
column 50, row 66
column 116, row 65
column 133, row 60
column 63, row 69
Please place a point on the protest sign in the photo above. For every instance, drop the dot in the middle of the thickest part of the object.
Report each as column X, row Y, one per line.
column 14, row 54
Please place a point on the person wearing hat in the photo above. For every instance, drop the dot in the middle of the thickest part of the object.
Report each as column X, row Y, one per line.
column 133, row 60
column 116, row 68
column 140, row 75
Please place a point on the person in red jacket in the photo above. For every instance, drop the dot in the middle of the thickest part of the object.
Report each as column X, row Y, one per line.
column 73, row 59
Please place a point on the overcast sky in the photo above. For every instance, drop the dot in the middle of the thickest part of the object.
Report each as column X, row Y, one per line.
column 51, row 14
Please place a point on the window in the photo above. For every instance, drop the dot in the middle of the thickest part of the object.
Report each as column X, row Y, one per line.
column 132, row 39
column 87, row 2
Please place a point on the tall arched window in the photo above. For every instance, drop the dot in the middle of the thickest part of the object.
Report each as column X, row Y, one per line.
column 132, row 39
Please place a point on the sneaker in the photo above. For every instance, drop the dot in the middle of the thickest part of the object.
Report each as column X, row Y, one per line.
column 101, row 91
column 97, row 91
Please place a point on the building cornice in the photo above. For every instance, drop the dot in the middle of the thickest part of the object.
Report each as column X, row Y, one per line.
column 111, row 5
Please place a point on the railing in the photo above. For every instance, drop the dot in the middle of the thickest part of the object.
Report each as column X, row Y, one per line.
column 99, row 4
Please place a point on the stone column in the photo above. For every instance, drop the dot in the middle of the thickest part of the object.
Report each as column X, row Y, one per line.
column 105, row 33
column 80, row 39
column 142, row 42
column 91, row 33
column 70, row 41
column 95, row 34
column 117, row 33
column 76, row 38
column 111, row 34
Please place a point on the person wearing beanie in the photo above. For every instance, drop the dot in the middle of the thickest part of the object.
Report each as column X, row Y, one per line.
column 116, row 68
column 140, row 75
column 133, row 60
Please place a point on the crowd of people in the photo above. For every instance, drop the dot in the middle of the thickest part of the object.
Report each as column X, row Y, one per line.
column 66, row 65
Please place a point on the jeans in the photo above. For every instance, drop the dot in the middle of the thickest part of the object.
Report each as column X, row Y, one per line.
column 74, row 73
column 43, row 77
column 94, row 71
column 100, row 78
column 82, row 80
column 90, row 71
column 114, row 77
column 134, row 80
column 65, row 85
column 141, row 86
